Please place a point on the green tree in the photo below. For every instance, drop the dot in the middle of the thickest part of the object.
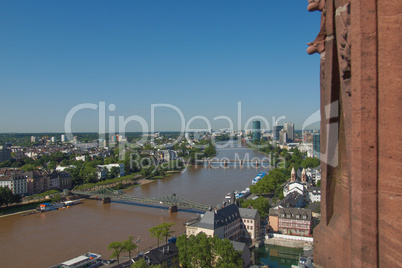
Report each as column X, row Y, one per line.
column 6, row 196
column 88, row 174
column 52, row 165
column 269, row 183
column 310, row 162
column 195, row 251
column 28, row 167
column 261, row 204
column 65, row 163
column 129, row 246
column 56, row 197
column 157, row 232
column 141, row 263
column 210, row 150
column 117, row 248
column 166, row 232
column 76, row 179
column 225, row 255
column 114, row 172
column 204, row 251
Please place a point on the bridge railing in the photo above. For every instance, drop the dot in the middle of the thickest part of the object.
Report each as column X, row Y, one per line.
column 171, row 200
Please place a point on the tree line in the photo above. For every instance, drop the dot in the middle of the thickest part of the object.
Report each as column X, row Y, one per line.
column 199, row 251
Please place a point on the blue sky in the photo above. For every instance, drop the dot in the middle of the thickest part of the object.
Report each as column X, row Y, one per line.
column 202, row 57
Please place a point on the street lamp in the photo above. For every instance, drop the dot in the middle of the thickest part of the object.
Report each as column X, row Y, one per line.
column 138, row 242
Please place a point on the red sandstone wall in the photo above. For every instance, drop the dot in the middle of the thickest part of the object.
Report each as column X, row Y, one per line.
column 389, row 134
column 361, row 197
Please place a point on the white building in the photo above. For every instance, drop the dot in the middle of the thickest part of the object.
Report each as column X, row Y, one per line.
column 16, row 183
column 314, row 173
column 63, row 138
column 228, row 222
column 60, row 168
column 295, row 186
column 283, row 136
column 81, row 157
column 110, row 166
column 314, row 195
column 305, row 147
column 289, row 128
column 303, row 185
column 31, row 154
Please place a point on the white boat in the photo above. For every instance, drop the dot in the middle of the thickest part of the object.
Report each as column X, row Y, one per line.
column 258, row 177
column 89, row 260
column 72, row 202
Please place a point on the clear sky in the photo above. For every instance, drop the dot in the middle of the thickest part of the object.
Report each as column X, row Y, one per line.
column 202, row 57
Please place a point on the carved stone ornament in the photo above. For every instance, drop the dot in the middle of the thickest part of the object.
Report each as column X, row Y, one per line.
column 344, row 44
column 314, row 5
column 318, row 45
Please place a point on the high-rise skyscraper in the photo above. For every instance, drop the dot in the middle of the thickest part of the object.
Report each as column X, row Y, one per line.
column 316, row 145
column 5, row 154
column 276, row 131
column 290, row 130
column 256, row 130
column 283, row 137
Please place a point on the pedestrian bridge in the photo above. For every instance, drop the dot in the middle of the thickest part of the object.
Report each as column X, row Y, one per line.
column 173, row 201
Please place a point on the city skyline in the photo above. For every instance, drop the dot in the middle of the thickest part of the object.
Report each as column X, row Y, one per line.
column 203, row 58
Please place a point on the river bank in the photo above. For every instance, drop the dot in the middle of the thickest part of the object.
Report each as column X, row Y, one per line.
column 16, row 213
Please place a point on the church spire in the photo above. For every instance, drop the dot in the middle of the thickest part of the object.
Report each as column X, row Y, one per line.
column 293, row 175
column 303, row 175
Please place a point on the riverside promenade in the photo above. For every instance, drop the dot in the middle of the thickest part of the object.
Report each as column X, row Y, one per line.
column 290, row 243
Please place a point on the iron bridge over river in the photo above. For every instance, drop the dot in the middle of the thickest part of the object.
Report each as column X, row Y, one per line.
column 173, row 201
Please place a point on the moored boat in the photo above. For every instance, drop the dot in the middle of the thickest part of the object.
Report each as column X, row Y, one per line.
column 258, row 177
column 50, row 206
column 88, row 260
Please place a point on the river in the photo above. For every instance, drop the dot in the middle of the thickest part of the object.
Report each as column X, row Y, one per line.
column 45, row 239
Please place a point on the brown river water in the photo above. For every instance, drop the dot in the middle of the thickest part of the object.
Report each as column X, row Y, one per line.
column 45, row 239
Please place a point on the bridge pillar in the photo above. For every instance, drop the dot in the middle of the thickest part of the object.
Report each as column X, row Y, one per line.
column 105, row 200
column 172, row 209
column 256, row 164
column 225, row 164
column 241, row 163
column 209, row 163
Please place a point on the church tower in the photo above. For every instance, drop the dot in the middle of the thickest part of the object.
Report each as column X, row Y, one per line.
column 293, row 175
column 303, row 176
